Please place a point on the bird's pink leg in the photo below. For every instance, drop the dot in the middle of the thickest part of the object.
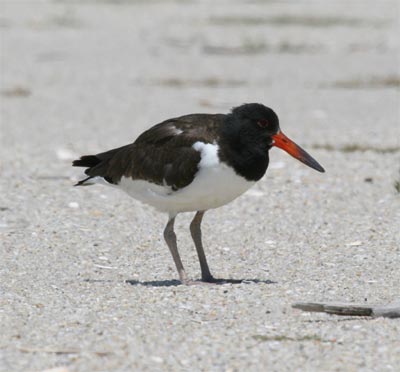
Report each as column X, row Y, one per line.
column 170, row 238
column 195, row 230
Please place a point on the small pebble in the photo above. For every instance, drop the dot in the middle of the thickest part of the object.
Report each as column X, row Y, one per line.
column 357, row 243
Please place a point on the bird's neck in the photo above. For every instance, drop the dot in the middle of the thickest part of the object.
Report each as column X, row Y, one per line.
column 247, row 155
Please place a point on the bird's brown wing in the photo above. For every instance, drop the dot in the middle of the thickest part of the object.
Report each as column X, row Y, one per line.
column 163, row 154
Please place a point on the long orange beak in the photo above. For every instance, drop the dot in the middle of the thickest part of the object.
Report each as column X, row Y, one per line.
column 281, row 141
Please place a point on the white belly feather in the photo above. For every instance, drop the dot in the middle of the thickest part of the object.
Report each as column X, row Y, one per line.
column 214, row 185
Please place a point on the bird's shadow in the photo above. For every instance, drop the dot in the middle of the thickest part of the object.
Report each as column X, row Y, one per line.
column 175, row 283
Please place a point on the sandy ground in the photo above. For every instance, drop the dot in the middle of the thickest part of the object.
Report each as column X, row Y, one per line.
column 83, row 77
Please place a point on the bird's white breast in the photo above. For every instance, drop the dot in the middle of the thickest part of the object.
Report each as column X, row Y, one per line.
column 214, row 185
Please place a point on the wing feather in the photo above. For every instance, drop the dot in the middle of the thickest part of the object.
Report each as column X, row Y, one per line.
column 163, row 154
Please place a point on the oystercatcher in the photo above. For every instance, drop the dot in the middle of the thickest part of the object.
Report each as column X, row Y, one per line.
column 194, row 163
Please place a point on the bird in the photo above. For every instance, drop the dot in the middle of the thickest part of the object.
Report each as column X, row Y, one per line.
column 194, row 163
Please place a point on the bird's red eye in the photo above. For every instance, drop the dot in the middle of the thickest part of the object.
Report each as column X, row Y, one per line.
column 263, row 123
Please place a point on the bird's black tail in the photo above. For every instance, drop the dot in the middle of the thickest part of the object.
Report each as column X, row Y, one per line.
column 88, row 161
column 96, row 166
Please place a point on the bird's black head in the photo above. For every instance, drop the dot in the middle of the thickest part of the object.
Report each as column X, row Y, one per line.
column 257, row 121
column 256, row 127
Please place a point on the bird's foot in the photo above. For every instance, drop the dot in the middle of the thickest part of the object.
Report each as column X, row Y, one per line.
column 205, row 280
column 210, row 280
column 197, row 282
